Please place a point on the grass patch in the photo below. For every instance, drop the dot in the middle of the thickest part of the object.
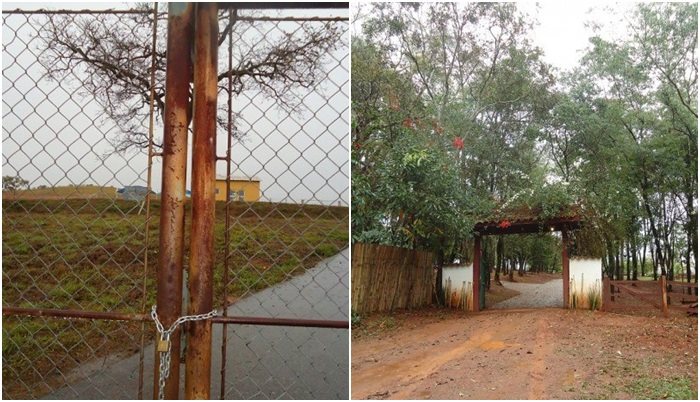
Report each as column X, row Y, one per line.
column 642, row 377
column 663, row 388
column 90, row 255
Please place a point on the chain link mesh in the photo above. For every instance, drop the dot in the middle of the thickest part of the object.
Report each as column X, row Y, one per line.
column 288, row 254
column 74, row 234
column 70, row 241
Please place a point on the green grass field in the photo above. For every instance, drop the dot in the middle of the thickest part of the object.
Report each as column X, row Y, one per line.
column 89, row 254
column 62, row 193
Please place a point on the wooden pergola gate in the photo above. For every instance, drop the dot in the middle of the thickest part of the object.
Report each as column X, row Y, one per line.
column 563, row 223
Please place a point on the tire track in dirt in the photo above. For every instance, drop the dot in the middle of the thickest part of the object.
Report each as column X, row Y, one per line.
column 523, row 354
column 400, row 378
column 538, row 367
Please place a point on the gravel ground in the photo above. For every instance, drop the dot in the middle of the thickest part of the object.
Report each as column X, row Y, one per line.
column 549, row 294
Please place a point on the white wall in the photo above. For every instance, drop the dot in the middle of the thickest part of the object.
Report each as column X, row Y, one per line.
column 586, row 274
column 462, row 273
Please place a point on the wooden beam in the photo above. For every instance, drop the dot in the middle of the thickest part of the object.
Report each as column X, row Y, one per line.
column 526, row 227
column 565, row 266
column 476, row 274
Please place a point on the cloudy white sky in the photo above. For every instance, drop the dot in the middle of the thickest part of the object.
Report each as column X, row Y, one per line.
column 562, row 31
column 298, row 157
column 312, row 161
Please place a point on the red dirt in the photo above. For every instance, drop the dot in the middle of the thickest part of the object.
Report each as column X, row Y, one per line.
column 526, row 354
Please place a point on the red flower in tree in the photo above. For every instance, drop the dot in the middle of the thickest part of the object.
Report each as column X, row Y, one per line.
column 504, row 224
column 357, row 145
column 458, row 143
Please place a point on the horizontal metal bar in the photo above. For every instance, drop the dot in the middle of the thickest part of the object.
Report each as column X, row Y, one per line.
column 250, row 19
column 284, row 322
column 68, row 313
column 282, row 6
column 43, row 11
column 300, row 19
column 109, row 315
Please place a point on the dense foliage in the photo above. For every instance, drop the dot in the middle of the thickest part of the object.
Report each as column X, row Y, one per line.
column 456, row 115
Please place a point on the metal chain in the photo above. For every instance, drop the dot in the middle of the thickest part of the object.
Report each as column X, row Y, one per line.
column 164, row 368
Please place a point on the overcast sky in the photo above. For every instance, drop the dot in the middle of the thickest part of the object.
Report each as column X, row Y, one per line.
column 561, row 29
column 53, row 135
column 300, row 156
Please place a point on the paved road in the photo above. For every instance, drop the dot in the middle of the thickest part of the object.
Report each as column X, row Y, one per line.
column 549, row 294
column 262, row 362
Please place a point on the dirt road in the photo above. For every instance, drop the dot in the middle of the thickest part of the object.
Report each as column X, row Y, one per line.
column 549, row 294
column 527, row 354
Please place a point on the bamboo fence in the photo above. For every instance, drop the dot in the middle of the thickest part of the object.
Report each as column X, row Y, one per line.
column 385, row 278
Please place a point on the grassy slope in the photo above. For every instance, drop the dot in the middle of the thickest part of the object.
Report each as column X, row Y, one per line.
column 89, row 254
column 62, row 192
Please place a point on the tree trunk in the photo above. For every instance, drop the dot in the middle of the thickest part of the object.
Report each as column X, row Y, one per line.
column 521, row 267
column 499, row 260
column 628, row 259
column 691, row 227
column 654, row 261
column 618, row 272
column 611, row 260
column 635, row 265
column 644, row 248
column 652, row 226
column 510, row 274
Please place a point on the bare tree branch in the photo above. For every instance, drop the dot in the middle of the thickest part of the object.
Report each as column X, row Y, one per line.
column 110, row 55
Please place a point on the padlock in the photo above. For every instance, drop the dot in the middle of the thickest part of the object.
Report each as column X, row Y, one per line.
column 163, row 345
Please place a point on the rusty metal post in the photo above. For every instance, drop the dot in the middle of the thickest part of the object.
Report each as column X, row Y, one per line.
column 565, row 266
column 172, row 210
column 476, row 274
column 147, row 200
column 232, row 14
column 201, row 266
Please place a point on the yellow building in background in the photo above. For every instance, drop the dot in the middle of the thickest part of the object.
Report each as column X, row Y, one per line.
column 242, row 189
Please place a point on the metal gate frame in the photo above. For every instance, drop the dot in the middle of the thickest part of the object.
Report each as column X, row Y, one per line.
column 192, row 30
column 194, row 27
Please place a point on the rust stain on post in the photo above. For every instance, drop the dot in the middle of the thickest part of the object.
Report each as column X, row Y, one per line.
column 198, row 358
column 172, row 214
column 227, row 233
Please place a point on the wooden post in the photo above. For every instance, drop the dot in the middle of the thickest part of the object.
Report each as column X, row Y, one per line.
column 476, row 273
column 664, row 300
column 565, row 266
column 606, row 294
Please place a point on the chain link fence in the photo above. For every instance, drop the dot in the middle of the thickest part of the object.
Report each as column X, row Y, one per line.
column 81, row 202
